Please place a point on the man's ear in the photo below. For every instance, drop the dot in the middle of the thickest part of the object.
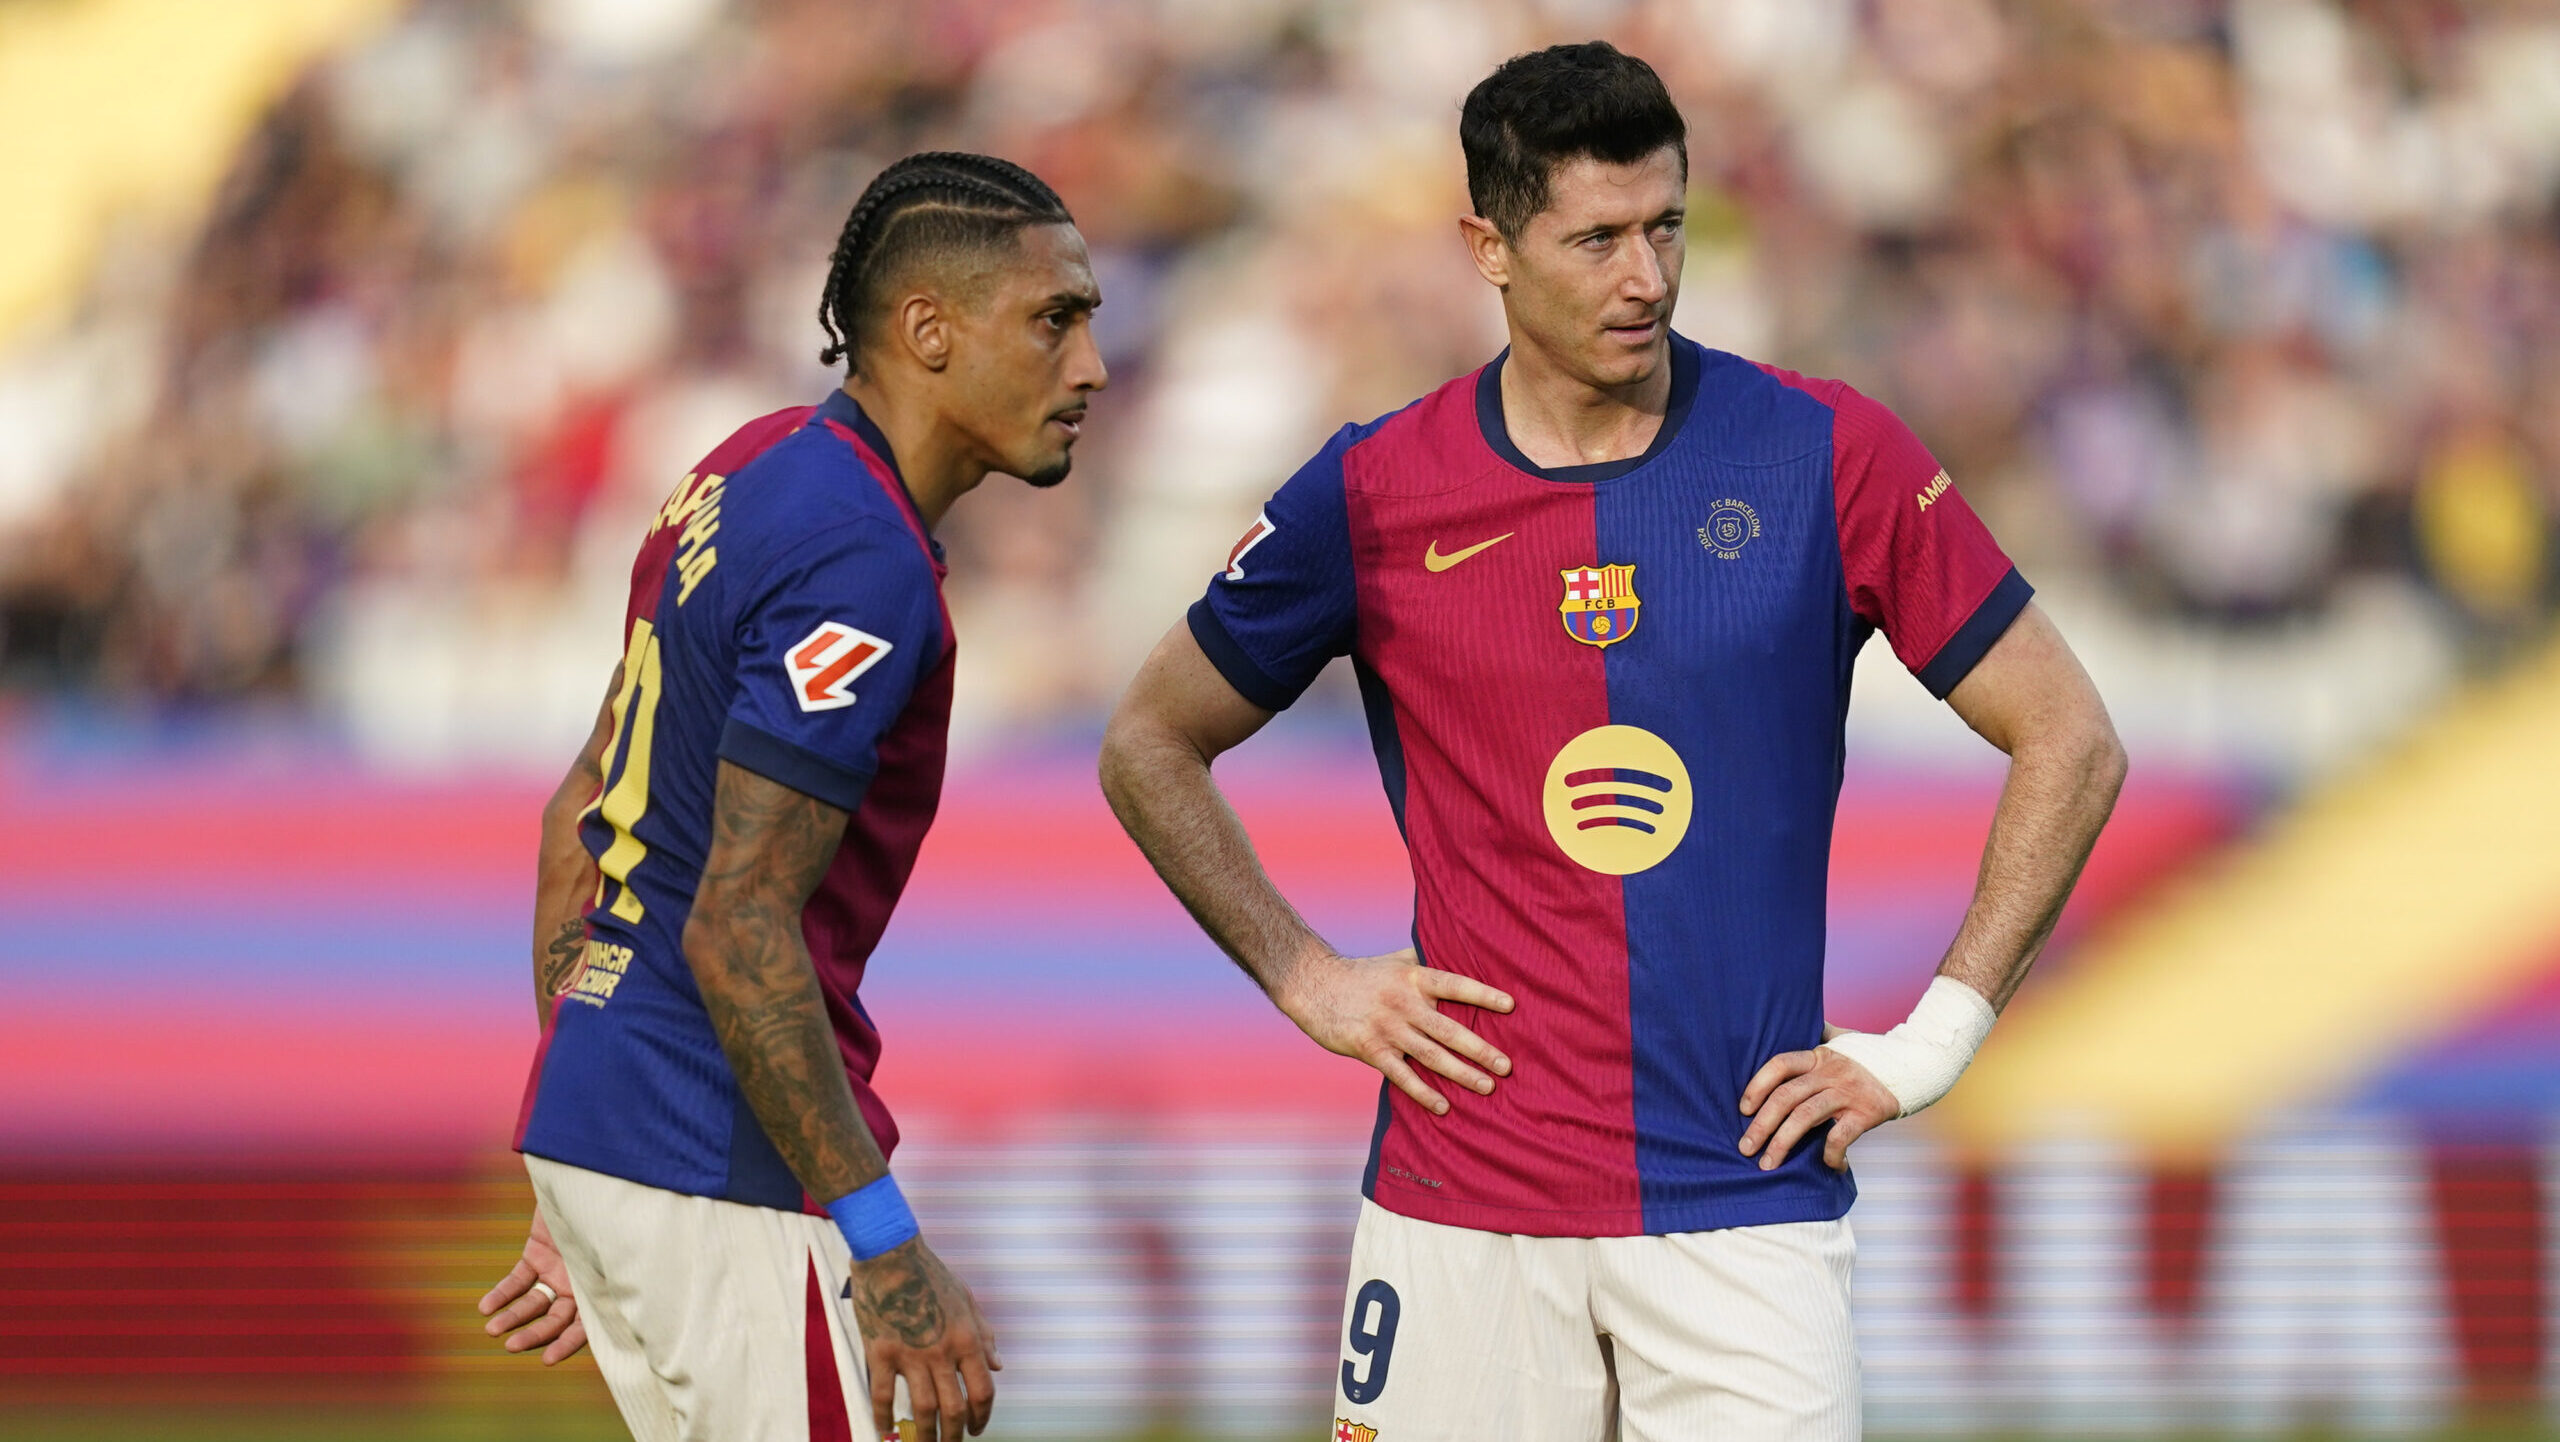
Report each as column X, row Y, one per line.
column 1492, row 254
column 920, row 325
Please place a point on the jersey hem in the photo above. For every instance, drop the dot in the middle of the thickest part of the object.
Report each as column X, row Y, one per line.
column 1240, row 669
column 1653, row 1220
column 797, row 767
column 606, row 1161
column 1974, row 639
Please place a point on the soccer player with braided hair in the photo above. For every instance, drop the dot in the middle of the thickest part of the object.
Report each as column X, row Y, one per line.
column 716, row 1215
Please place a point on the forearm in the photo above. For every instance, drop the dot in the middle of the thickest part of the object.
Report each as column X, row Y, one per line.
column 565, row 877
column 761, row 990
column 563, row 885
column 2059, row 793
column 1160, row 786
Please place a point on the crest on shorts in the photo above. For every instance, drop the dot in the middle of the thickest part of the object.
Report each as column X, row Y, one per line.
column 1346, row 1430
column 1599, row 604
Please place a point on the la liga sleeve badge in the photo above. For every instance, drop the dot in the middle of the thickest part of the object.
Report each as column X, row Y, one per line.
column 825, row 663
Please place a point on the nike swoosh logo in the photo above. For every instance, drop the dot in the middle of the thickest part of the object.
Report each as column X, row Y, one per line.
column 1432, row 560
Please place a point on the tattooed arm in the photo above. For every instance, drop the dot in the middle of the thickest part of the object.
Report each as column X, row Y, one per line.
column 770, row 848
column 566, row 881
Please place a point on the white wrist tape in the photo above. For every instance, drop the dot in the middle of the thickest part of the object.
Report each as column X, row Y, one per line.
column 1920, row 1059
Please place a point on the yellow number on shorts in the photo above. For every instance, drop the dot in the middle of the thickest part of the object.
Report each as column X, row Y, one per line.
column 635, row 715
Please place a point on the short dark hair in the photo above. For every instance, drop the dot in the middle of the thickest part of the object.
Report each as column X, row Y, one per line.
column 936, row 201
column 1553, row 106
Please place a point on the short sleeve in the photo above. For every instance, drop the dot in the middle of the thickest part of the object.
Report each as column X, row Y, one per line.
column 831, row 643
column 1921, row 566
column 1285, row 605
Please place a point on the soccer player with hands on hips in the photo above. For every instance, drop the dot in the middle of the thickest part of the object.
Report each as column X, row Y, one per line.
column 716, row 1216
column 1602, row 599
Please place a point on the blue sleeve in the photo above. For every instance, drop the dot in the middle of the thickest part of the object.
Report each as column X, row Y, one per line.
column 1284, row 606
column 831, row 642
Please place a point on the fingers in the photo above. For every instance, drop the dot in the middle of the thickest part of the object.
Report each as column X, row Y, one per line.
column 1779, row 1068
column 1432, row 1054
column 1773, row 1111
column 529, row 1306
column 924, row 1399
column 1394, row 1067
column 1847, row 1127
column 547, row 1327
column 572, row 1341
column 981, row 1389
column 1803, row 1117
column 880, row 1361
column 517, row 1282
column 952, row 1401
column 1466, row 1044
column 1464, row 990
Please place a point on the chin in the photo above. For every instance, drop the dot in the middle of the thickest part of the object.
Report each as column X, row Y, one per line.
column 1049, row 472
column 1617, row 368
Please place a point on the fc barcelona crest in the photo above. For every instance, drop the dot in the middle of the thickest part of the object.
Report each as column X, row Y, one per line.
column 1599, row 604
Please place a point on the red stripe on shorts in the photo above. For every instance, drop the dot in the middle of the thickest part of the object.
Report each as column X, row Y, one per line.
column 827, row 1419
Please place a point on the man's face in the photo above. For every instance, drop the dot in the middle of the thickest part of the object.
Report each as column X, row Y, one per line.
column 1023, row 357
column 1592, row 278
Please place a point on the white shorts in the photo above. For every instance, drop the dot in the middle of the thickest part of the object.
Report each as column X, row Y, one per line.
column 710, row 1319
column 1737, row 1335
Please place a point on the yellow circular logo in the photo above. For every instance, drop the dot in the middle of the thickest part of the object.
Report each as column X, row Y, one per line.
column 1617, row 799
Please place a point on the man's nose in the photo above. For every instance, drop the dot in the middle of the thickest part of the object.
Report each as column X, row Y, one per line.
column 1085, row 370
column 1645, row 280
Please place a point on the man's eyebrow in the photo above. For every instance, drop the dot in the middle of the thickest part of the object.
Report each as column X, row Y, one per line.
column 1073, row 300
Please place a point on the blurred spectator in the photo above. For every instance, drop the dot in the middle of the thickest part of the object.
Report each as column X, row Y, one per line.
column 2228, row 301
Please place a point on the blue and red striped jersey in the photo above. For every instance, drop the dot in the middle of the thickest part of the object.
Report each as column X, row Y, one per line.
column 1608, row 705
column 786, row 616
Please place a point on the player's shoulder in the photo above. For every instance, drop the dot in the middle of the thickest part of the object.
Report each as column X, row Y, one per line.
column 753, row 439
column 1774, row 390
column 810, row 497
column 819, row 481
column 1431, row 443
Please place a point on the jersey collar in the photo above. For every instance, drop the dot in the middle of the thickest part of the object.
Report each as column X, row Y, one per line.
column 847, row 412
column 1497, row 433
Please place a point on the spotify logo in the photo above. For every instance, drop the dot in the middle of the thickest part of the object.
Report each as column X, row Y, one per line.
column 1617, row 799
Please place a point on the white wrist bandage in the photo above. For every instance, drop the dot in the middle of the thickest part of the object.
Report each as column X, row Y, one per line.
column 1918, row 1060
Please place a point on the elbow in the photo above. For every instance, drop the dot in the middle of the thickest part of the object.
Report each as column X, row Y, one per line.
column 2103, row 760
column 1125, row 744
column 700, row 942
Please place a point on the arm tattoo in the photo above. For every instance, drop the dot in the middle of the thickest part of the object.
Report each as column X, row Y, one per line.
column 770, row 848
column 561, row 958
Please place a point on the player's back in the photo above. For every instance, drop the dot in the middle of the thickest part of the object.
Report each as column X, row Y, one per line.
column 785, row 617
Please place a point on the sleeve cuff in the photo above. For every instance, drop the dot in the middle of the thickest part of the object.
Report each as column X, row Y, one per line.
column 1251, row 682
column 1973, row 640
column 797, row 767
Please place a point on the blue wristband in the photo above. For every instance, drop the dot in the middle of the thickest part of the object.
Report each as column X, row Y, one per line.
column 874, row 1218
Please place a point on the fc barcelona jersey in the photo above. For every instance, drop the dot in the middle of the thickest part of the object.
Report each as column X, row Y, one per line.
column 786, row 616
column 1608, row 707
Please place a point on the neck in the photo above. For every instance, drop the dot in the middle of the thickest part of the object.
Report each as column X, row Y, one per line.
column 937, row 462
column 1558, row 418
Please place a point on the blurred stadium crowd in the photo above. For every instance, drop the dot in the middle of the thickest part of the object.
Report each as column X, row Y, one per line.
column 2234, row 305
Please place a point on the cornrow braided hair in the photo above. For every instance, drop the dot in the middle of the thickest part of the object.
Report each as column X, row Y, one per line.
column 938, row 200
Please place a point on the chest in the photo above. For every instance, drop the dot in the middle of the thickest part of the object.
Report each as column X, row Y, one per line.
column 1686, row 574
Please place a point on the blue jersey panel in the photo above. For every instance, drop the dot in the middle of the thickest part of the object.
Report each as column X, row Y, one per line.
column 1732, row 535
